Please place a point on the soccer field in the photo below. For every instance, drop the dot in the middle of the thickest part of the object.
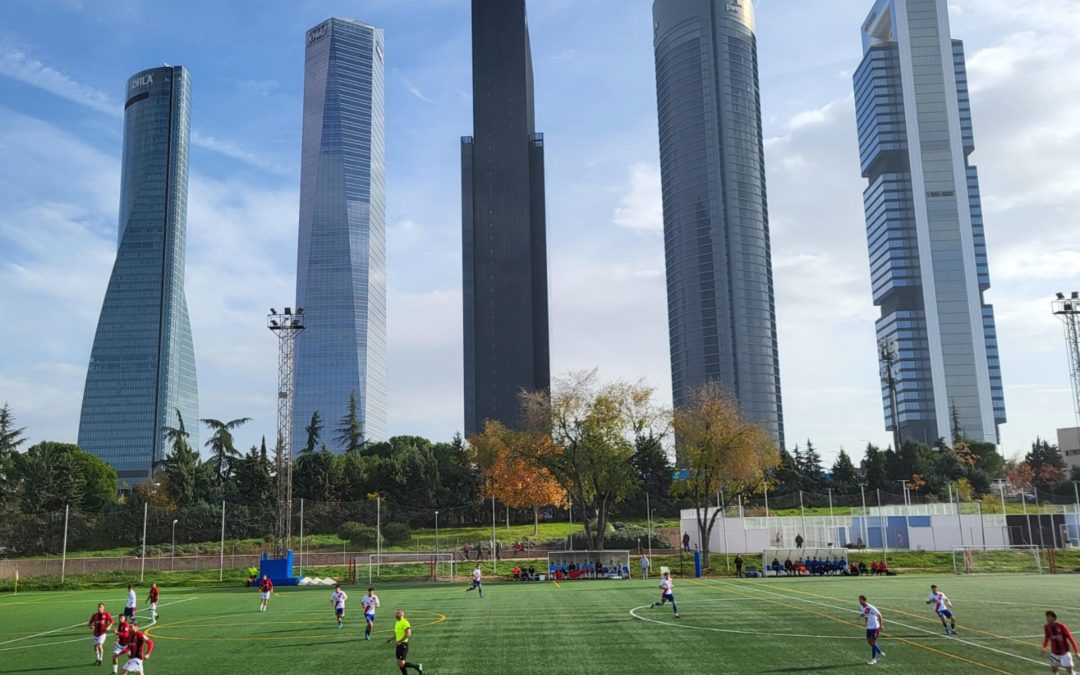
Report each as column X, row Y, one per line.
column 727, row 626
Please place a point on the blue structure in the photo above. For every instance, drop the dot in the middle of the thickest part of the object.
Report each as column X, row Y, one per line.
column 142, row 365
column 341, row 261
column 278, row 569
column 721, row 309
column 503, row 223
column 924, row 224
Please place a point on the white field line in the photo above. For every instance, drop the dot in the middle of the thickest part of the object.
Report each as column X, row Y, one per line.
column 757, row 633
column 57, row 630
column 898, row 623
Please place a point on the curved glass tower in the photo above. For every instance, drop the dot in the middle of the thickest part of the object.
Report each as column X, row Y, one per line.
column 721, row 315
column 142, row 365
column 341, row 260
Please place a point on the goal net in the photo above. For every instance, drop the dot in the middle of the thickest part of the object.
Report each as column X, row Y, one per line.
column 573, row 565
column 411, row 566
column 997, row 559
column 801, row 561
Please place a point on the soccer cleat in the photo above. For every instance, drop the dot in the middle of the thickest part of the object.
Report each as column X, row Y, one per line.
column 420, row 668
column 367, row 637
column 871, row 662
column 676, row 616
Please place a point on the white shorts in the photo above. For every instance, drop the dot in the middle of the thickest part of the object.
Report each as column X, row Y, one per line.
column 1063, row 661
column 117, row 649
column 264, row 596
column 153, row 606
column 100, row 639
column 133, row 666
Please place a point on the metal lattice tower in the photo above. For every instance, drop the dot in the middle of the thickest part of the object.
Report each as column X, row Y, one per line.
column 1068, row 310
column 286, row 326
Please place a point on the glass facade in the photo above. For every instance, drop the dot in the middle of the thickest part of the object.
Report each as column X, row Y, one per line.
column 341, row 262
column 721, row 314
column 504, row 246
column 142, row 365
column 924, row 228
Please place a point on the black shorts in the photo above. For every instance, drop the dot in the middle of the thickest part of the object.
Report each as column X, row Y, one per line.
column 402, row 651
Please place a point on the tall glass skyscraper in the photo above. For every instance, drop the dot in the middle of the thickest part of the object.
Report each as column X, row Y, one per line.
column 341, row 261
column 142, row 365
column 924, row 224
column 504, row 240
column 721, row 315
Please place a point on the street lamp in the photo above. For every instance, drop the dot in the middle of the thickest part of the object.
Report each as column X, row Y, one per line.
column 173, row 564
column 436, row 532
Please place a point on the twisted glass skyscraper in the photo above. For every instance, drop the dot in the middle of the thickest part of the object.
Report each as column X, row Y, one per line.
column 503, row 223
column 341, row 262
column 721, row 315
column 924, row 225
column 142, row 365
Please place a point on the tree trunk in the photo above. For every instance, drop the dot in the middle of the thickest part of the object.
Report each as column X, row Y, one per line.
column 536, row 522
column 601, row 524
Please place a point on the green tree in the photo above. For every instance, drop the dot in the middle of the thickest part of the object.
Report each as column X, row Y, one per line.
column 180, row 466
column 10, row 440
column 844, row 475
column 592, row 445
column 874, row 468
column 1047, row 463
column 314, row 433
column 57, row 474
column 350, row 430
column 812, row 474
column 315, row 476
column 222, row 449
column 254, row 483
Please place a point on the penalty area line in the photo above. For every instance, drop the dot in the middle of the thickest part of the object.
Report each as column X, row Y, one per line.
column 713, row 629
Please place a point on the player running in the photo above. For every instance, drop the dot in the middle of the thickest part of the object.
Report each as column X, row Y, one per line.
column 100, row 622
column 942, row 605
column 402, row 633
column 124, row 633
column 476, row 582
column 370, row 603
column 1058, row 639
column 138, row 650
column 129, row 606
column 337, row 599
column 874, row 624
column 265, row 588
column 152, row 599
column 667, row 594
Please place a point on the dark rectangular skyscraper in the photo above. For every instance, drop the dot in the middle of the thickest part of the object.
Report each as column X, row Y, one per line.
column 721, row 312
column 142, row 366
column 503, row 231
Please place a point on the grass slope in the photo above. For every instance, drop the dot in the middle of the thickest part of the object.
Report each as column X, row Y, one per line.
column 727, row 626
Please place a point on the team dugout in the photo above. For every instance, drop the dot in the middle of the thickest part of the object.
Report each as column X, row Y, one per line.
column 573, row 565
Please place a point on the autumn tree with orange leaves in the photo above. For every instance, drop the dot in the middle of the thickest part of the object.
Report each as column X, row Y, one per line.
column 510, row 475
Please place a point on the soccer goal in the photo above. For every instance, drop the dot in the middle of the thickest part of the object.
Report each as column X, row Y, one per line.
column 411, row 566
column 997, row 559
column 572, row 565
column 804, row 561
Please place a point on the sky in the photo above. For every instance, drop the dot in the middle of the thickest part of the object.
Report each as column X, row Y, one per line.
column 63, row 65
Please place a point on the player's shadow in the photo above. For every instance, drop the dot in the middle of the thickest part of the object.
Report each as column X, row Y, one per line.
column 77, row 666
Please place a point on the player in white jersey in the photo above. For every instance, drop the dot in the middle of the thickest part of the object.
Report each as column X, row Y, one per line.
column 476, row 583
column 370, row 603
column 129, row 607
column 337, row 599
column 942, row 605
column 667, row 594
column 874, row 624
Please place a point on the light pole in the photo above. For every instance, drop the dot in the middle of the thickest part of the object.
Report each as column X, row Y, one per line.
column 173, row 563
column 436, row 532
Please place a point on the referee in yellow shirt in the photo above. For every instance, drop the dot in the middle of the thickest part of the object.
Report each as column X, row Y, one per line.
column 402, row 633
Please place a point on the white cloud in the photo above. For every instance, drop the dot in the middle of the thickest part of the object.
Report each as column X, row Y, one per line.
column 415, row 91
column 641, row 207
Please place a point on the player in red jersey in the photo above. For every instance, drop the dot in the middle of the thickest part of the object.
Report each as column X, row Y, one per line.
column 265, row 588
column 138, row 651
column 1058, row 639
column 100, row 623
column 124, row 632
column 152, row 599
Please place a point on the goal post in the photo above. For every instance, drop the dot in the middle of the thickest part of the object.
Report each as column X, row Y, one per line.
column 435, row 567
column 1000, row 559
column 572, row 565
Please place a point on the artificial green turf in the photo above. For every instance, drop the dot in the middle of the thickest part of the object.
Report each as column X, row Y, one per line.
column 727, row 626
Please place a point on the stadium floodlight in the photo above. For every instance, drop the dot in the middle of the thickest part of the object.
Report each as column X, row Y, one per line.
column 288, row 311
column 274, row 311
column 1060, row 295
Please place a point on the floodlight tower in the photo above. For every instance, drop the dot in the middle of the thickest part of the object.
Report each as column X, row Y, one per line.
column 286, row 326
column 1068, row 310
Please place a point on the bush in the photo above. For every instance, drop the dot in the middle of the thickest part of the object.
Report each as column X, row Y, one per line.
column 360, row 536
column 625, row 536
column 396, row 534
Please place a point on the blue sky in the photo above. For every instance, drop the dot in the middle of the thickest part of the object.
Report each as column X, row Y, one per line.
column 63, row 64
